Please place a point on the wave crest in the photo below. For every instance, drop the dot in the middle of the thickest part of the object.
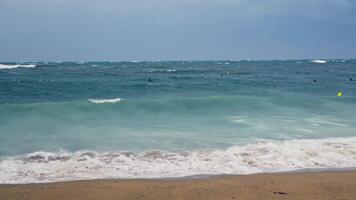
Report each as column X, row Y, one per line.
column 5, row 66
column 101, row 101
column 319, row 61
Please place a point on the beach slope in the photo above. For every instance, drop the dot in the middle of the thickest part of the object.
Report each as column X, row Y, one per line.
column 312, row 185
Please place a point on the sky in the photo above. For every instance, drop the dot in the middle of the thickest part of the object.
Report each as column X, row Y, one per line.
column 118, row 30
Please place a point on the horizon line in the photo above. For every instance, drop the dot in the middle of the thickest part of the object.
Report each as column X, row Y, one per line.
column 174, row 60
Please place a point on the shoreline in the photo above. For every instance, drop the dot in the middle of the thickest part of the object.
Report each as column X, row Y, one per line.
column 195, row 177
column 296, row 185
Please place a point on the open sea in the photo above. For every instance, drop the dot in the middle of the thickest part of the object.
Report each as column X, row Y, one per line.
column 62, row 121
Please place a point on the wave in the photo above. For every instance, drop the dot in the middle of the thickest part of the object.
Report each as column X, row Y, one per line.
column 5, row 66
column 319, row 61
column 161, row 70
column 263, row 156
column 101, row 101
column 203, row 106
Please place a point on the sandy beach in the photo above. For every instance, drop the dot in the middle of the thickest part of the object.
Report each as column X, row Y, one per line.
column 311, row 185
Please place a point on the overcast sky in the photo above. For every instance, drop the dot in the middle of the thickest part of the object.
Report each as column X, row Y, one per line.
column 78, row 30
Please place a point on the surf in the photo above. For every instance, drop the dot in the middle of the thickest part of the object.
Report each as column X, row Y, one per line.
column 259, row 157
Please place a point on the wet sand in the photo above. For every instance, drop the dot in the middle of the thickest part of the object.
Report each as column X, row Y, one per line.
column 299, row 186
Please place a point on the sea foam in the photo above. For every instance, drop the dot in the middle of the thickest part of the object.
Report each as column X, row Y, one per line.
column 319, row 61
column 5, row 66
column 263, row 156
column 101, row 101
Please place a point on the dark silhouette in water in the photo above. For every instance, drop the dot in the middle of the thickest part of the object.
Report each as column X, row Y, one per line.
column 314, row 80
column 149, row 80
column 351, row 79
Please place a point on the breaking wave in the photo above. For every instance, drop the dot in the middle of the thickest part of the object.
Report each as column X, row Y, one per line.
column 101, row 101
column 319, row 61
column 263, row 156
column 5, row 66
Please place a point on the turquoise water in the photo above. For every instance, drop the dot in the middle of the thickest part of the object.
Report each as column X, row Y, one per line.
column 123, row 115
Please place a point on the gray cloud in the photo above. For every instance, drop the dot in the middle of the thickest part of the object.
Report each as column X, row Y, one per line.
column 176, row 29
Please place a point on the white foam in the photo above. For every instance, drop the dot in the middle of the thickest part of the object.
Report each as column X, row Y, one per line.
column 4, row 66
column 264, row 156
column 319, row 61
column 101, row 101
column 167, row 70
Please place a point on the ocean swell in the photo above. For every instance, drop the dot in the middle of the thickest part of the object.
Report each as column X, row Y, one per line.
column 264, row 156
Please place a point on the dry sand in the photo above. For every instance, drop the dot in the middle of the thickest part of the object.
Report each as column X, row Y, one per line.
column 324, row 186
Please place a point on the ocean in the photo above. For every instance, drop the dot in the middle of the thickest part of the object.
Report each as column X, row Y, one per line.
column 62, row 121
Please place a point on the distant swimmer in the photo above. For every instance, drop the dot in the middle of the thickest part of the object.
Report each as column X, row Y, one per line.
column 351, row 79
column 314, row 80
column 221, row 74
column 339, row 94
column 149, row 80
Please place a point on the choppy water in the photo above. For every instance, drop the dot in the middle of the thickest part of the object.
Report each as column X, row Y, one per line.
column 66, row 121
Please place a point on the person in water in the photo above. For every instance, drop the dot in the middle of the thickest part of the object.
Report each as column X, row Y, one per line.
column 149, row 80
